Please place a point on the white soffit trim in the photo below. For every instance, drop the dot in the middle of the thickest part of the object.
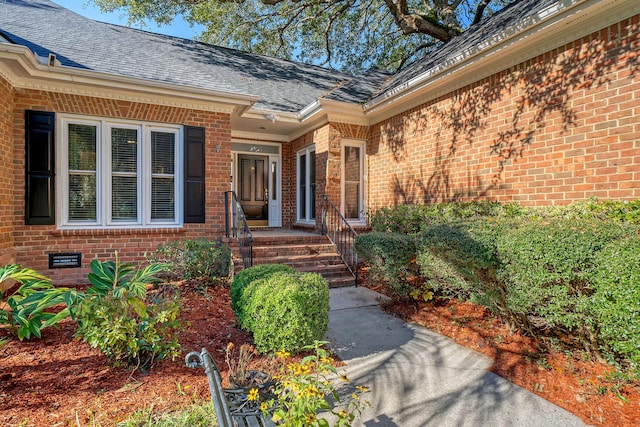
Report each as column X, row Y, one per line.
column 22, row 69
column 561, row 23
column 256, row 136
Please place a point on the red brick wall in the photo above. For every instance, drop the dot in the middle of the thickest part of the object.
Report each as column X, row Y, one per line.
column 561, row 127
column 34, row 243
column 7, row 251
column 328, row 141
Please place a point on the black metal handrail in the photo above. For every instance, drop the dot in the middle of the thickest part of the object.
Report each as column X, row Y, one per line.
column 236, row 226
column 341, row 234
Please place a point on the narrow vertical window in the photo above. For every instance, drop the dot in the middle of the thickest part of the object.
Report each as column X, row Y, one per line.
column 124, row 174
column 162, row 176
column 353, row 181
column 302, row 187
column 306, row 185
column 82, row 145
column 312, row 185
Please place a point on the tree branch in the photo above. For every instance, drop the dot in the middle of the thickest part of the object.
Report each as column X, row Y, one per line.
column 480, row 11
column 411, row 23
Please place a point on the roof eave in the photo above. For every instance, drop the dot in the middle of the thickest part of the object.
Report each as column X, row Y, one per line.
column 23, row 70
column 507, row 49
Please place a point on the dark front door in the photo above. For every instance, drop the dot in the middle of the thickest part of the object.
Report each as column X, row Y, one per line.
column 253, row 186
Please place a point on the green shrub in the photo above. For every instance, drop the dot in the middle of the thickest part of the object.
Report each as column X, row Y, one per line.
column 459, row 261
column 614, row 306
column 242, row 280
column 128, row 324
column 286, row 311
column 30, row 301
column 194, row 259
column 413, row 219
column 548, row 267
column 390, row 257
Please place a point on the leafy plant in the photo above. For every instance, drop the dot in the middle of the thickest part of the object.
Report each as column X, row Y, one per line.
column 305, row 388
column 30, row 303
column 614, row 306
column 240, row 293
column 286, row 311
column 194, row 259
column 129, row 325
column 390, row 257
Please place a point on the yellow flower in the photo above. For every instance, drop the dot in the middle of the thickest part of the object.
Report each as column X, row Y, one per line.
column 264, row 406
column 253, row 394
column 343, row 413
column 344, row 378
column 310, row 418
column 283, row 354
column 362, row 388
column 355, row 396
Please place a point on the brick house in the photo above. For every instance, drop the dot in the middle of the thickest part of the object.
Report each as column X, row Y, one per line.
column 116, row 139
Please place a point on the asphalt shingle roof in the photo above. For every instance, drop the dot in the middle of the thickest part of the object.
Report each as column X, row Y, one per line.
column 45, row 27
column 281, row 85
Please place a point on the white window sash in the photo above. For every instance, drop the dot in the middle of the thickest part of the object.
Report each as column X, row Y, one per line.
column 104, row 174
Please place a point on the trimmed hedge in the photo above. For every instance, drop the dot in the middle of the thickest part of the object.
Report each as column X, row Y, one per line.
column 614, row 306
column 390, row 257
column 573, row 269
column 282, row 308
column 459, row 260
column 239, row 294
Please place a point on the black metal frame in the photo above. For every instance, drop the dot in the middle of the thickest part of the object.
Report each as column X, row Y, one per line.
column 341, row 234
column 236, row 226
column 231, row 406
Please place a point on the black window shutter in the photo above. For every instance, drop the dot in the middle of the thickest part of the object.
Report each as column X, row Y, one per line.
column 194, row 174
column 40, row 167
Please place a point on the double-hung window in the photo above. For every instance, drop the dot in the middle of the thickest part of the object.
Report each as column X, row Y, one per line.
column 119, row 174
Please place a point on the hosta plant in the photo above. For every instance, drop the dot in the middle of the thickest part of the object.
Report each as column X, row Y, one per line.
column 123, row 319
column 29, row 303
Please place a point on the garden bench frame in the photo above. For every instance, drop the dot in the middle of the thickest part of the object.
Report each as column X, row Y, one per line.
column 230, row 405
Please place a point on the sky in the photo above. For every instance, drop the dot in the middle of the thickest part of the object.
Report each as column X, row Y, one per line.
column 178, row 27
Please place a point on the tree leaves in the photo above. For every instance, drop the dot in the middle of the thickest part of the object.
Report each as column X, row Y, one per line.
column 347, row 35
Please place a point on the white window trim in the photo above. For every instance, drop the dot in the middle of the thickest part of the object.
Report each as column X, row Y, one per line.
column 103, row 173
column 362, row 219
column 304, row 151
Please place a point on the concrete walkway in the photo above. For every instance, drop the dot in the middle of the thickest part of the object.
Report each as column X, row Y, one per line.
column 420, row 378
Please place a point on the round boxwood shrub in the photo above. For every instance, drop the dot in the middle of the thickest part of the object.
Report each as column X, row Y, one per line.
column 286, row 311
column 244, row 278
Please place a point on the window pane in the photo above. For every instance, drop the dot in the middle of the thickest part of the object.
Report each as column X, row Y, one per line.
column 312, row 184
column 163, row 176
column 124, row 196
column 82, row 172
column 82, row 197
column 352, row 182
column 82, row 147
column 162, row 152
column 124, row 150
column 162, row 198
column 351, row 198
column 124, row 180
